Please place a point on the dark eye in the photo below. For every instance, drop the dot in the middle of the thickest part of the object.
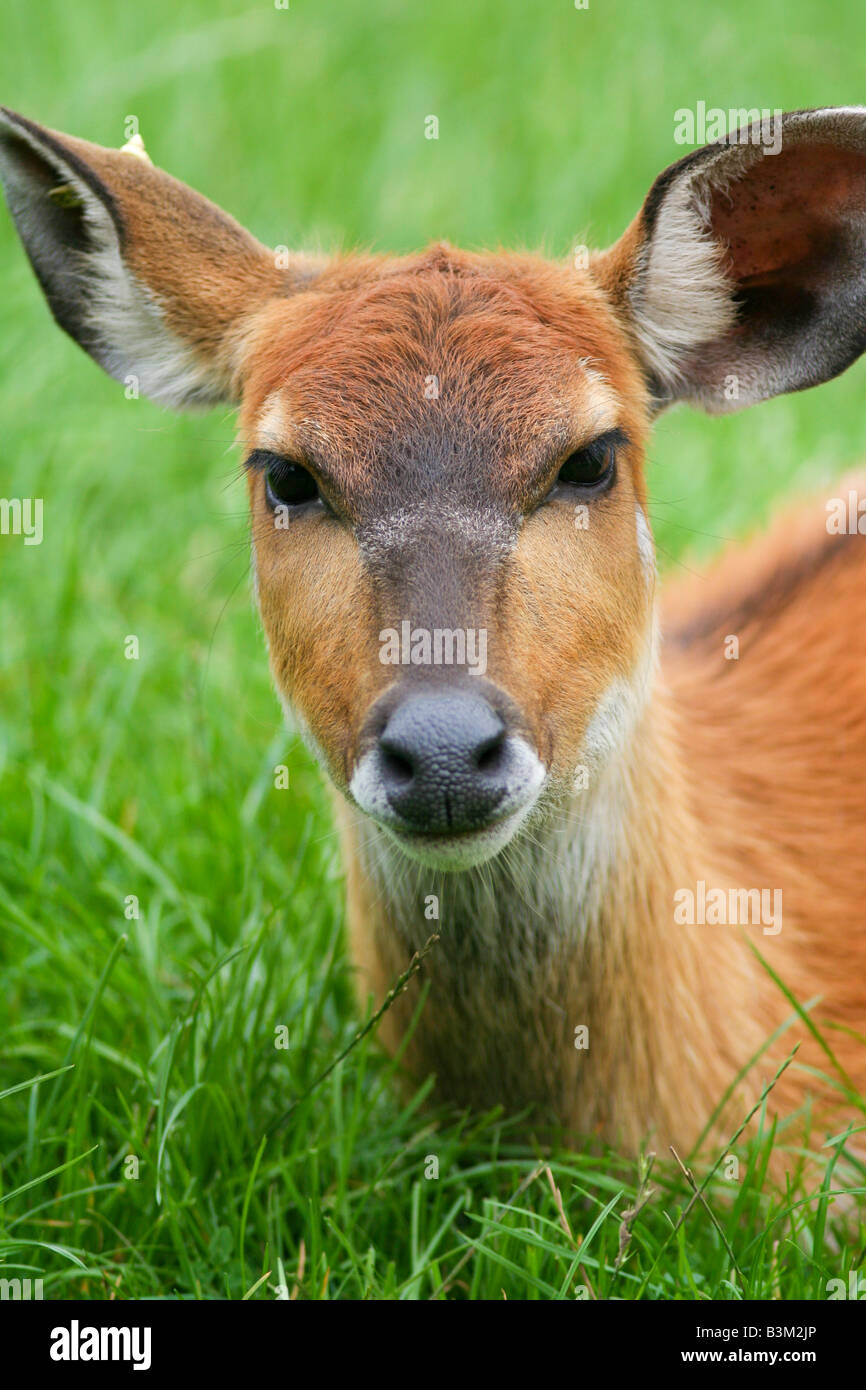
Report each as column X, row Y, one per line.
column 290, row 484
column 287, row 484
column 592, row 468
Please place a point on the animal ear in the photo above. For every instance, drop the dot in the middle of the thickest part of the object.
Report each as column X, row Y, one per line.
column 150, row 278
column 744, row 274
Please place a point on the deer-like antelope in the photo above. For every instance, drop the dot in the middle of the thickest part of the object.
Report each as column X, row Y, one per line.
column 456, row 577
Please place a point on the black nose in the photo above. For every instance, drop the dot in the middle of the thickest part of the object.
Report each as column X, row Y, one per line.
column 444, row 761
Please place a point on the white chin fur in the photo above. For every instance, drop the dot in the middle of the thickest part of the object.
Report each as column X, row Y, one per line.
column 460, row 851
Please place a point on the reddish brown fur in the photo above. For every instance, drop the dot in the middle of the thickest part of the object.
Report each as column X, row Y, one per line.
column 777, row 744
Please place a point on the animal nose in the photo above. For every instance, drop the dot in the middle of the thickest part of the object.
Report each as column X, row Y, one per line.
column 444, row 761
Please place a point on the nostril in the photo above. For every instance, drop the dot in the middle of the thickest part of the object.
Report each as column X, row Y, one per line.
column 490, row 754
column 398, row 769
column 443, row 761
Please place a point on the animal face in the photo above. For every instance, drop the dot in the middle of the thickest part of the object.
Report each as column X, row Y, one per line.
column 454, row 567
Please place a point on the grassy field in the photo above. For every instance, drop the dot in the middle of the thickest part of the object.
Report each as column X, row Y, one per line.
column 139, row 1168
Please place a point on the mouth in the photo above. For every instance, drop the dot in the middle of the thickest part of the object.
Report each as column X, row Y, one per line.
column 463, row 850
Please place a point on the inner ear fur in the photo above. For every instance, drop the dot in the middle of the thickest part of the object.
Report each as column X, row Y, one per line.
column 744, row 274
column 149, row 277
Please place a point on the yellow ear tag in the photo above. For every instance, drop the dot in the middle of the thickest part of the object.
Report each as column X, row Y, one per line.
column 135, row 146
column 65, row 196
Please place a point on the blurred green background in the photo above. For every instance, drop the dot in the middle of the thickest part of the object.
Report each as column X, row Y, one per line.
column 154, row 777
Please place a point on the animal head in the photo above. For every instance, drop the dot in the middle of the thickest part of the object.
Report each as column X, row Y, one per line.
column 445, row 451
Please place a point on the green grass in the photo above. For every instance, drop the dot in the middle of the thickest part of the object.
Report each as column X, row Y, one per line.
column 152, row 777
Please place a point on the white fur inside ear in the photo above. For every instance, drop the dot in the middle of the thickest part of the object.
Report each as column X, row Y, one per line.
column 681, row 296
column 131, row 338
column 130, row 324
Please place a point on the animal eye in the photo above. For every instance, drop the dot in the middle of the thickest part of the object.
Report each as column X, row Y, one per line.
column 287, row 483
column 592, row 468
column 290, row 484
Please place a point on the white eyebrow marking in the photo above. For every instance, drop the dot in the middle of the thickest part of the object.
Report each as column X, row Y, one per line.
column 272, row 424
column 601, row 405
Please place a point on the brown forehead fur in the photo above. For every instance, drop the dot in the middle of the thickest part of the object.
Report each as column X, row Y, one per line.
column 507, row 336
